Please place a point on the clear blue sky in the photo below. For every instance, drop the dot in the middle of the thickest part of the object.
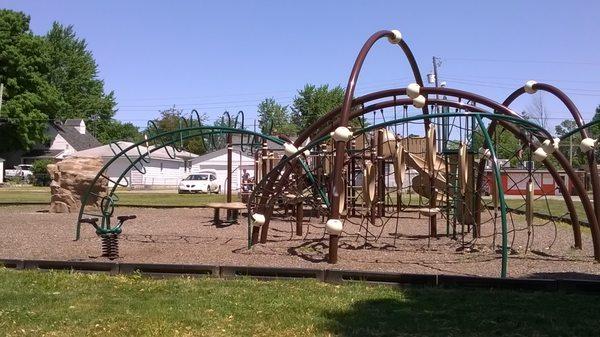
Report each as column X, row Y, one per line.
column 217, row 55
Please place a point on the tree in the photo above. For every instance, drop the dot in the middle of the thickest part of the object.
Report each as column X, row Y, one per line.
column 47, row 78
column 40, row 173
column 113, row 130
column 312, row 102
column 274, row 118
column 74, row 72
column 172, row 119
column 29, row 100
column 594, row 130
column 506, row 144
column 570, row 146
column 536, row 112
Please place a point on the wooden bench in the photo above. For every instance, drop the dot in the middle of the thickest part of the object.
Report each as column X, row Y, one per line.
column 235, row 207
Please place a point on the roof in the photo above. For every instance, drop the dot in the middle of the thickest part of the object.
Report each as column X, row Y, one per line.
column 181, row 154
column 109, row 151
column 73, row 122
column 42, row 153
column 77, row 140
column 220, row 152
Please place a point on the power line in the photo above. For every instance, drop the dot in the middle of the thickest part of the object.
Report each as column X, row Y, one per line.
column 523, row 79
column 465, row 59
column 222, row 105
column 203, row 103
column 510, row 84
column 262, row 94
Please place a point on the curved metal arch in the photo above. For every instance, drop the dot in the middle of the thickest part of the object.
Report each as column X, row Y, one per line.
column 228, row 115
column 338, row 162
column 198, row 120
column 358, row 62
column 156, row 134
column 239, row 114
column 595, row 216
column 441, row 91
column 287, row 161
column 472, row 97
column 578, row 129
column 518, row 133
column 347, row 102
column 136, row 146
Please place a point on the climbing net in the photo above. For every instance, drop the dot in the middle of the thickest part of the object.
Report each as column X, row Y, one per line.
column 393, row 169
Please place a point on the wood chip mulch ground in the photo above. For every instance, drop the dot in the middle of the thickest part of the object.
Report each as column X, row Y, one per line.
column 188, row 236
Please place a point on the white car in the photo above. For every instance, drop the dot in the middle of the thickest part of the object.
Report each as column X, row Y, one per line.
column 203, row 182
column 23, row 171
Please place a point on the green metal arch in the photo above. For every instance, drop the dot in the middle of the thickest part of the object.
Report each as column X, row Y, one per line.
column 165, row 139
column 576, row 130
column 479, row 116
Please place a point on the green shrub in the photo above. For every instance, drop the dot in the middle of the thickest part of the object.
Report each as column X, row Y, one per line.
column 40, row 174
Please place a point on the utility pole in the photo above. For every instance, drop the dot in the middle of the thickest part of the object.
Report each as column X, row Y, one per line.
column 440, row 129
column 571, row 150
column 436, row 62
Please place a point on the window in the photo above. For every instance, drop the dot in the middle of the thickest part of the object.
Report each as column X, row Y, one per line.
column 212, row 177
column 197, row 177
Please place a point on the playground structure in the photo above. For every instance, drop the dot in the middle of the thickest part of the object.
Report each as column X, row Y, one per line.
column 349, row 177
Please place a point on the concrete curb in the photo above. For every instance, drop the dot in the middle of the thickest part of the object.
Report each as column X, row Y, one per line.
column 324, row 275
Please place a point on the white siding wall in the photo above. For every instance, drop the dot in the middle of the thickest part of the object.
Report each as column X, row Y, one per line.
column 159, row 172
column 219, row 164
column 116, row 169
column 1, row 171
column 59, row 143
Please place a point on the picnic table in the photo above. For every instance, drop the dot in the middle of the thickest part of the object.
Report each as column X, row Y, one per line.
column 235, row 207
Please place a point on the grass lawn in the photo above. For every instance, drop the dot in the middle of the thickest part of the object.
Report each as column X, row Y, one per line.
column 64, row 304
column 171, row 198
column 555, row 207
column 149, row 198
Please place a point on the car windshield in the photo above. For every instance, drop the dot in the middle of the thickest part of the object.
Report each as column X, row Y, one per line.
column 197, row 177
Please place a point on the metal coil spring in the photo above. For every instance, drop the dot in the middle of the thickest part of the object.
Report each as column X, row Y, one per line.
column 110, row 245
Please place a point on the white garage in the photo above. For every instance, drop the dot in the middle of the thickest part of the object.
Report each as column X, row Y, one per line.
column 1, row 170
column 217, row 161
column 161, row 170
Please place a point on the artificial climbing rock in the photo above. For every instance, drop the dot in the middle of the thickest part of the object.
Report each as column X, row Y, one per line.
column 71, row 178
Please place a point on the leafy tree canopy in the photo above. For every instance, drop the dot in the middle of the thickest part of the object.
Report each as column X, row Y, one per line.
column 506, row 145
column 172, row 119
column 47, row 78
column 29, row 99
column 570, row 146
column 313, row 102
column 114, row 130
column 275, row 118
column 73, row 71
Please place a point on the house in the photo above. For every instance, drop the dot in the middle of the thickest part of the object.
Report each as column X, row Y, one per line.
column 1, row 170
column 63, row 140
column 165, row 168
column 514, row 181
column 217, row 160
